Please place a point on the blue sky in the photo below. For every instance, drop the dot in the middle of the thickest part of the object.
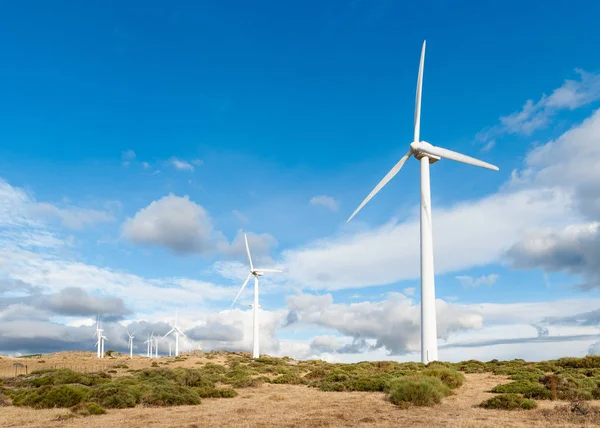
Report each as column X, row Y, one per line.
column 140, row 139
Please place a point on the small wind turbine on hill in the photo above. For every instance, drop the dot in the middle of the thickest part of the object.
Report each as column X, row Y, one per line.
column 149, row 343
column 131, row 336
column 175, row 329
column 426, row 154
column 97, row 334
column 101, row 338
column 256, row 273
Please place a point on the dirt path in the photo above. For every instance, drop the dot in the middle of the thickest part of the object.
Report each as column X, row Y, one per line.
column 299, row 406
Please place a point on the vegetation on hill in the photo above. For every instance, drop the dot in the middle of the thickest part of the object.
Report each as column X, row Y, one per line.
column 405, row 384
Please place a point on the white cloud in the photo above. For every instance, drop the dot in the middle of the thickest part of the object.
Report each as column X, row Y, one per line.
column 146, row 165
column 325, row 201
column 469, row 281
column 393, row 323
column 71, row 217
column 409, row 291
column 462, row 234
column 127, row 156
column 533, row 116
column 181, row 164
column 173, row 222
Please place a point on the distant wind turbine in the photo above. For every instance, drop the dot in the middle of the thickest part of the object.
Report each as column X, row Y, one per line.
column 149, row 343
column 175, row 329
column 156, row 346
column 131, row 336
column 426, row 154
column 98, row 334
column 256, row 273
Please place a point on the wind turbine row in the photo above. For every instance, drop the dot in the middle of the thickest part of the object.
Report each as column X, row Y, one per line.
column 426, row 154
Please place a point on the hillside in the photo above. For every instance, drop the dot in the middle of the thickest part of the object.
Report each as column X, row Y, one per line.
column 229, row 389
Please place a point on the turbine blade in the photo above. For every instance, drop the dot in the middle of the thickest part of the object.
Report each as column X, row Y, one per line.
column 242, row 289
column 268, row 270
column 418, row 96
column 382, row 183
column 170, row 331
column 248, row 251
column 182, row 333
column 458, row 157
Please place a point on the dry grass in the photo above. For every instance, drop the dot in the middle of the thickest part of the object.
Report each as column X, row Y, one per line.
column 274, row 405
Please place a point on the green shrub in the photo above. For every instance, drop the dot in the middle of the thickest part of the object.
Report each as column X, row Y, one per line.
column 170, row 395
column 119, row 394
column 289, row 379
column 87, row 409
column 48, row 397
column 451, row 378
column 509, row 402
column 215, row 392
column 417, row 390
column 527, row 388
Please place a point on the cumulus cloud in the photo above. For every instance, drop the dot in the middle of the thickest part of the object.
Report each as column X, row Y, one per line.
column 173, row 222
column 74, row 301
column 393, row 324
column 325, row 201
column 469, row 281
column 575, row 250
column 184, row 227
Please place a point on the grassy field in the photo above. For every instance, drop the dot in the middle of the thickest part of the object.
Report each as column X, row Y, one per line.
column 230, row 389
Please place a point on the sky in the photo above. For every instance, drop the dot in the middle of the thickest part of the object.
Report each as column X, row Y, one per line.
column 139, row 141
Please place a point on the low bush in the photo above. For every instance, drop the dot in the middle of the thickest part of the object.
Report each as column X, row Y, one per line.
column 289, row 379
column 170, row 395
column 509, row 402
column 88, row 409
column 417, row 390
column 449, row 377
column 48, row 397
column 527, row 388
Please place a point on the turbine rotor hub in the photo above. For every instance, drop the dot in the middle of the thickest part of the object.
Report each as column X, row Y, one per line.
column 417, row 149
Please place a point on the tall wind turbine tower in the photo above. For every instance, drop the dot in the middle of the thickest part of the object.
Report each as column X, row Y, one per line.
column 255, row 307
column 426, row 154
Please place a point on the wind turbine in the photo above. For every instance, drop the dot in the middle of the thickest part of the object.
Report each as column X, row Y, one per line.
column 256, row 273
column 98, row 334
column 175, row 329
column 131, row 336
column 149, row 343
column 102, row 338
column 426, row 154
column 156, row 346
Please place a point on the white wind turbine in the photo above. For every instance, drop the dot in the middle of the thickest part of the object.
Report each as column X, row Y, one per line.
column 98, row 334
column 175, row 329
column 426, row 154
column 256, row 273
column 156, row 346
column 102, row 340
column 149, row 343
column 131, row 336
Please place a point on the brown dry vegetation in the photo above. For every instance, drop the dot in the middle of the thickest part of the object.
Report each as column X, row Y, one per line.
column 285, row 405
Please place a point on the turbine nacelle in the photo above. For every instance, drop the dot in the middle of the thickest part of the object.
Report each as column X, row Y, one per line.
column 417, row 150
